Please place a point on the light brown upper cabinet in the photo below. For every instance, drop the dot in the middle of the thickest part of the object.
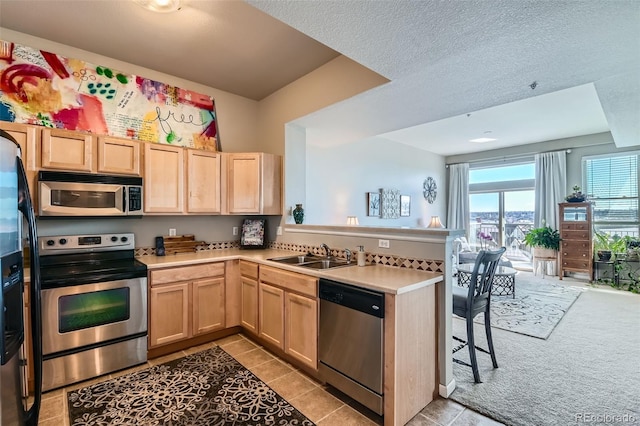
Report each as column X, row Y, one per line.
column 28, row 137
column 84, row 152
column 118, row 156
column 163, row 178
column 67, row 150
column 203, row 181
column 253, row 183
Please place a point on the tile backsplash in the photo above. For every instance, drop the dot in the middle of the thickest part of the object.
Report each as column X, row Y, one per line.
column 375, row 258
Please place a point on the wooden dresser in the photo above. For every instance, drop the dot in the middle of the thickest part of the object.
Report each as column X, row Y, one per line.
column 576, row 231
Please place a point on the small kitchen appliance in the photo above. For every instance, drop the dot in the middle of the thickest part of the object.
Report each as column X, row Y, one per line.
column 68, row 194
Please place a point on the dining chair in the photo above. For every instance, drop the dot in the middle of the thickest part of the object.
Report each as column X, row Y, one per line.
column 468, row 303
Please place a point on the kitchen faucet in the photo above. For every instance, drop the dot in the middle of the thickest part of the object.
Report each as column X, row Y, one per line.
column 326, row 249
column 347, row 254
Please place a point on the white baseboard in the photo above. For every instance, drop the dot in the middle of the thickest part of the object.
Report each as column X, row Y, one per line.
column 447, row 390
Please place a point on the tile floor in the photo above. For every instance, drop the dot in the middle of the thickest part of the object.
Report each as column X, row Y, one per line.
column 324, row 406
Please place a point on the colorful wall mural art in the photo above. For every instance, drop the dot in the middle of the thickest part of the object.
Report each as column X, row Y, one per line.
column 45, row 89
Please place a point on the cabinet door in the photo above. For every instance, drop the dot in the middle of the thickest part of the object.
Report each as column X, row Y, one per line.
column 203, row 181
column 168, row 313
column 301, row 328
column 249, row 289
column 164, row 178
column 208, row 305
column 67, row 150
column 119, row 156
column 271, row 314
column 28, row 137
column 243, row 183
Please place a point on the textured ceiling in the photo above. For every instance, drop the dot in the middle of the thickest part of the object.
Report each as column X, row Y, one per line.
column 445, row 59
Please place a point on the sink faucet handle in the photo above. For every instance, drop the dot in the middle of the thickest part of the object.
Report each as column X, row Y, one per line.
column 347, row 253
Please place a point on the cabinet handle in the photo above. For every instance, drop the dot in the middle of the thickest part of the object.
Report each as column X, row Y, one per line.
column 300, row 302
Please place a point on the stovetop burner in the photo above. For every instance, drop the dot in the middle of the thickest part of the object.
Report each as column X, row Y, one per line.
column 68, row 260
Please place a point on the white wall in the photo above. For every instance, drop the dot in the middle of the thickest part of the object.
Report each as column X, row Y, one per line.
column 333, row 82
column 339, row 178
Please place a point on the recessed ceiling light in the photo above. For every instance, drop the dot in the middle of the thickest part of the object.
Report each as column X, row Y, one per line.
column 162, row 6
column 481, row 140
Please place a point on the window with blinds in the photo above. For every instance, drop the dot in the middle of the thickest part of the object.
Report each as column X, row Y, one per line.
column 612, row 187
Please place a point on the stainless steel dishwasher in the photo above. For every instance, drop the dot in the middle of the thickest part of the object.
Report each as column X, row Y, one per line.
column 351, row 341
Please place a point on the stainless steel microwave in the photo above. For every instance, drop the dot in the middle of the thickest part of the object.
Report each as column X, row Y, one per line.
column 85, row 195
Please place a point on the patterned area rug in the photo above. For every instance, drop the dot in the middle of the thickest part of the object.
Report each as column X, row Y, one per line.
column 206, row 388
column 537, row 308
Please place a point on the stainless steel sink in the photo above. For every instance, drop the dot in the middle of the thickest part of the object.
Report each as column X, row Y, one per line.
column 311, row 261
column 296, row 260
column 326, row 264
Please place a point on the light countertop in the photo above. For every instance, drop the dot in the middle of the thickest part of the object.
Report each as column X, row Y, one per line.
column 387, row 279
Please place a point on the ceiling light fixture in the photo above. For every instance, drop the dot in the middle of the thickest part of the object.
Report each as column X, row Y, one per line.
column 482, row 140
column 161, row 6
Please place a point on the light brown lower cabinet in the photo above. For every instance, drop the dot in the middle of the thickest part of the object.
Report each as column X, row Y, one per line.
column 288, row 313
column 271, row 314
column 185, row 302
column 249, row 295
column 169, row 313
column 207, row 296
column 301, row 330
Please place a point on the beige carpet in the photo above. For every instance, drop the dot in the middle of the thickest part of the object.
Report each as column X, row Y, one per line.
column 587, row 371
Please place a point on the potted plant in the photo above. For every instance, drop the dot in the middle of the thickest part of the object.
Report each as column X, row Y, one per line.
column 577, row 196
column 602, row 246
column 544, row 241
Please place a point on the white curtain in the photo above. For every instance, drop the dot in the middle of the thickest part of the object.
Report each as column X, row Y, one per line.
column 458, row 206
column 551, row 187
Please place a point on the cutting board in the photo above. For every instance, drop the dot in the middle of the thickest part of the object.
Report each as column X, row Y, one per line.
column 181, row 244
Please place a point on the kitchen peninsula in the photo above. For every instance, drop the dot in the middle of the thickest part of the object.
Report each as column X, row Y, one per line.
column 239, row 284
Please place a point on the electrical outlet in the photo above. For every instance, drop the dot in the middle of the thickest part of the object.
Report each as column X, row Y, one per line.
column 172, row 232
column 235, row 230
column 383, row 243
column 279, row 230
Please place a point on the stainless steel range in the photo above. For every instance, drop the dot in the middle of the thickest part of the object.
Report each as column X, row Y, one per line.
column 94, row 307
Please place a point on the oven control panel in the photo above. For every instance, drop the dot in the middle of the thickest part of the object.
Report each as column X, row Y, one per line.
column 61, row 244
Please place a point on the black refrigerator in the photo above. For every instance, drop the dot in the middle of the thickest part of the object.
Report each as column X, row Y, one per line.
column 18, row 404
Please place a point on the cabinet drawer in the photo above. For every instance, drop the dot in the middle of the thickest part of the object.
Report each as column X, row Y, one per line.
column 576, row 264
column 299, row 283
column 575, row 245
column 575, row 235
column 575, row 226
column 575, row 254
column 249, row 269
column 187, row 273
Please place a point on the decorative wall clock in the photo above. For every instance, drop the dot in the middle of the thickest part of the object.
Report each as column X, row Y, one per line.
column 430, row 189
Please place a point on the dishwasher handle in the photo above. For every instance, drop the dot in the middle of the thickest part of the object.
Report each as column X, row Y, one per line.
column 352, row 297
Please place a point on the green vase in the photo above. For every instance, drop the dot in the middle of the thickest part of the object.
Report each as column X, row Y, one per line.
column 298, row 214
